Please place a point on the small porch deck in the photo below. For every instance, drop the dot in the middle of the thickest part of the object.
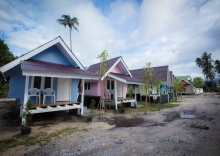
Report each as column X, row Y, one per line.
column 57, row 106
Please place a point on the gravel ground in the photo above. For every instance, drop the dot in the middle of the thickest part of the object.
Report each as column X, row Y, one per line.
column 191, row 129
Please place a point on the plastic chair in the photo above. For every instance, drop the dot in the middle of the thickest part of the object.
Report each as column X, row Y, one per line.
column 34, row 92
column 48, row 92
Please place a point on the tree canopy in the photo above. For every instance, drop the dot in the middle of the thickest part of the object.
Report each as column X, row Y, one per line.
column 66, row 20
column 5, row 55
column 198, row 82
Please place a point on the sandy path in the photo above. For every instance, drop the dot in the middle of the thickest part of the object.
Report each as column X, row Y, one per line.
column 199, row 135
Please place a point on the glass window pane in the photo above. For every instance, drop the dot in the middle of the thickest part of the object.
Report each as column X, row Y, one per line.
column 112, row 85
column 85, row 86
column 37, row 82
column 108, row 84
column 88, row 85
column 47, row 83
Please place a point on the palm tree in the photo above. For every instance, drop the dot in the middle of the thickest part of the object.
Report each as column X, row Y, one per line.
column 66, row 20
column 205, row 62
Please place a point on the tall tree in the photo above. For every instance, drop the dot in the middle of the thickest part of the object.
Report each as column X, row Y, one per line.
column 205, row 63
column 5, row 55
column 147, row 80
column 198, row 82
column 177, row 88
column 217, row 66
column 102, row 71
column 66, row 20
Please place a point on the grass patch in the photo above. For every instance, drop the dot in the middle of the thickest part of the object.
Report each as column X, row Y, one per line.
column 156, row 107
column 38, row 138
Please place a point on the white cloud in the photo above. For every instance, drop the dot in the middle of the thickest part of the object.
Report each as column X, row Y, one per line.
column 161, row 32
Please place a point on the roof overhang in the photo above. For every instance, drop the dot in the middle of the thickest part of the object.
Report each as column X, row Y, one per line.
column 122, row 80
column 59, row 75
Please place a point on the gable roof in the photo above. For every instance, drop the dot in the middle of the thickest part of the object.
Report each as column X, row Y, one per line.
column 57, row 41
column 124, row 78
column 185, row 77
column 110, row 64
column 162, row 70
column 184, row 81
column 41, row 68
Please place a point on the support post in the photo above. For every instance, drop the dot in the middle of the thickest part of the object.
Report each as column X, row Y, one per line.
column 23, row 121
column 116, row 95
column 82, row 98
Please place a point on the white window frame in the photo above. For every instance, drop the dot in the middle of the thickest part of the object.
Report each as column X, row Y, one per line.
column 110, row 85
column 88, row 84
column 42, row 82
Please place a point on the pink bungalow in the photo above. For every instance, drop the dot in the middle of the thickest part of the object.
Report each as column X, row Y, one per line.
column 117, row 79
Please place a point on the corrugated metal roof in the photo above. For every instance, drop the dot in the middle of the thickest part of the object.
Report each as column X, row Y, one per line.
column 161, row 70
column 41, row 66
column 96, row 67
column 127, row 77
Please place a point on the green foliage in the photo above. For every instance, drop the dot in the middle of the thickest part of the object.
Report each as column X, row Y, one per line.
column 177, row 87
column 3, row 88
column 131, row 91
column 147, row 80
column 103, row 67
column 5, row 55
column 205, row 63
column 27, row 114
column 198, row 82
column 92, row 107
column 217, row 66
column 66, row 20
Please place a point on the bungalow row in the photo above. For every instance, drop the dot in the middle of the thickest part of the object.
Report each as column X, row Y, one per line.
column 53, row 79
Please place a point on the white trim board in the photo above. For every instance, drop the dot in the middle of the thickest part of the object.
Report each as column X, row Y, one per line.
column 113, row 66
column 60, row 75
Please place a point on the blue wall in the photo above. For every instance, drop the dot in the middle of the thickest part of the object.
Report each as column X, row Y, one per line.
column 74, row 91
column 16, row 84
column 53, row 55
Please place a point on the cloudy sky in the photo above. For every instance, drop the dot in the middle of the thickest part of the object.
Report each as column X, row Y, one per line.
column 163, row 32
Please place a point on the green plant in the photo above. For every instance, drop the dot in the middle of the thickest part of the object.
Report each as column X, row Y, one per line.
column 92, row 107
column 131, row 91
column 27, row 114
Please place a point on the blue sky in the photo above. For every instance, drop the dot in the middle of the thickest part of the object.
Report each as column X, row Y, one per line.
column 163, row 32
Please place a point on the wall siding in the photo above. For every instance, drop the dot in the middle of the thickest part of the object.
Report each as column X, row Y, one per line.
column 16, row 84
column 74, row 89
column 53, row 55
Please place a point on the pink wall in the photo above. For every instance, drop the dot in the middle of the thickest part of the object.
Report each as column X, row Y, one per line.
column 116, row 69
column 94, row 89
column 124, row 89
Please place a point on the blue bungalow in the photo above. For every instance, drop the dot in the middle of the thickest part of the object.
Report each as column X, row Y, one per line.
column 50, row 76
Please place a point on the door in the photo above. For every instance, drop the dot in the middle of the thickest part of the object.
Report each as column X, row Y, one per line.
column 119, row 89
column 64, row 92
column 187, row 90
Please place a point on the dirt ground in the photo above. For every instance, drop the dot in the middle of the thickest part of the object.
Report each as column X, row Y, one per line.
column 191, row 129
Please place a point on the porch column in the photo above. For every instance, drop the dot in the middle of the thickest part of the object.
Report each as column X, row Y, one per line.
column 82, row 98
column 25, row 99
column 135, row 96
column 116, row 95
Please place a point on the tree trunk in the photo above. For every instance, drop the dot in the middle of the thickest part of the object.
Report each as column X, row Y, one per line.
column 70, row 40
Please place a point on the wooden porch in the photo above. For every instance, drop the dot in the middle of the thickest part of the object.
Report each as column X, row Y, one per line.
column 57, row 106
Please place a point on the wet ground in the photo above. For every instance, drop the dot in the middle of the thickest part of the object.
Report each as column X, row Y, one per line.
column 191, row 129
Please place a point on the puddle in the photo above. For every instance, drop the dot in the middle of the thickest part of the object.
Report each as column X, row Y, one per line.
column 186, row 115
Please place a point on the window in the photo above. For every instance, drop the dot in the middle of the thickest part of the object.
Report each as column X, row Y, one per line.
column 87, row 86
column 47, row 83
column 42, row 82
column 37, row 82
column 110, row 85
